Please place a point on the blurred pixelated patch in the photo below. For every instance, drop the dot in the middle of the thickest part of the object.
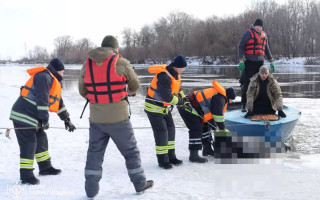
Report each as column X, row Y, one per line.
column 229, row 148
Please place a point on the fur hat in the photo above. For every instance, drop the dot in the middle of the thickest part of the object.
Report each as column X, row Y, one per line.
column 258, row 22
column 110, row 41
column 179, row 61
column 264, row 70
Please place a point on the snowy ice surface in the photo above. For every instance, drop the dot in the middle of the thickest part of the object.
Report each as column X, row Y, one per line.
column 297, row 176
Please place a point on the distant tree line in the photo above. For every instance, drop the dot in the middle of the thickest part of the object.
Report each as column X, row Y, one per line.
column 65, row 48
column 293, row 30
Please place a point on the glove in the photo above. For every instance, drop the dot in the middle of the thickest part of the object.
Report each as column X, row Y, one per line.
column 241, row 65
column 180, row 102
column 69, row 126
column 272, row 66
column 187, row 106
column 224, row 132
column 43, row 125
column 281, row 114
column 249, row 114
column 181, row 94
column 184, row 103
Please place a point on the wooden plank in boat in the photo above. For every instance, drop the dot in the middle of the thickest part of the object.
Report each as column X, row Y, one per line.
column 265, row 117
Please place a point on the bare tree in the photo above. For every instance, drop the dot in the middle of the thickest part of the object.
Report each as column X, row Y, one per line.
column 292, row 30
column 63, row 46
column 127, row 37
column 80, row 50
column 38, row 54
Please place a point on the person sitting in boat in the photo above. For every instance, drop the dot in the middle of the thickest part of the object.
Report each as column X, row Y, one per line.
column 204, row 110
column 264, row 94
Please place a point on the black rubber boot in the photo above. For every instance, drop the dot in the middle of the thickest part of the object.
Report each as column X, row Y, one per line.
column 173, row 158
column 163, row 161
column 207, row 150
column 148, row 186
column 27, row 177
column 30, row 181
column 165, row 165
column 92, row 188
column 194, row 157
column 50, row 171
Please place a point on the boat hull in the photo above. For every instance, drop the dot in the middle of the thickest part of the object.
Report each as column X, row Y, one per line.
column 271, row 131
column 254, row 139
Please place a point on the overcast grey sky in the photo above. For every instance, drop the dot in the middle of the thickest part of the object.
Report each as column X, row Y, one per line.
column 27, row 23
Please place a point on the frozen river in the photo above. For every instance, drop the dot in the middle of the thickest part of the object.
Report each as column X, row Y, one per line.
column 296, row 81
column 295, row 177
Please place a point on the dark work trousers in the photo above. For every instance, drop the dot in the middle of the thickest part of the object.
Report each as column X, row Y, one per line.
column 123, row 136
column 33, row 144
column 207, row 139
column 262, row 103
column 194, row 125
column 164, row 134
column 259, row 108
column 251, row 68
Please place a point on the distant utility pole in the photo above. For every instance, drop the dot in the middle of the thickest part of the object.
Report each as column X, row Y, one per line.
column 25, row 49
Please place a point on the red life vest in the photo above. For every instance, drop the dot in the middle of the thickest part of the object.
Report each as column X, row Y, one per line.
column 103, row 83
column 256, row 44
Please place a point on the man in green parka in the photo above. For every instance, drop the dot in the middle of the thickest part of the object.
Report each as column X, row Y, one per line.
column 264, row 94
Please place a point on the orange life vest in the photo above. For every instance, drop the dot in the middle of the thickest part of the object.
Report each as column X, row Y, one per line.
column 152, row 90
column 204, row 98
column 103, row 83
column 256, row 44
column 55, row 91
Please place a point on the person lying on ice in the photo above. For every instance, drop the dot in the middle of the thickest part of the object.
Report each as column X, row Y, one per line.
column 264, row 94
column 41, row 94
column 160, row 95
column 210, row 105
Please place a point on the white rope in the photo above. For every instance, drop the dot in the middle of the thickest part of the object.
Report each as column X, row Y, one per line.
column 142, row 127
column 24, row 128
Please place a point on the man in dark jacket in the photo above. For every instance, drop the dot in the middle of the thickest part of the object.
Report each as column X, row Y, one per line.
column 30, row 118
column 103, row 80
column 252, row 47
column 162, row 93
column 199, row 128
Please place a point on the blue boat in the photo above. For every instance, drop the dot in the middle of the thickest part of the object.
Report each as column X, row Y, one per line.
column 271, row 131
column 254, row 139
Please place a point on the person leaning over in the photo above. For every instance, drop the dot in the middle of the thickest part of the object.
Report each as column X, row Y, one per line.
column 264, row 94
column 30, row 116
column 211, row 104
column 252, row 48
column 103, row 79
column 162, row 93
